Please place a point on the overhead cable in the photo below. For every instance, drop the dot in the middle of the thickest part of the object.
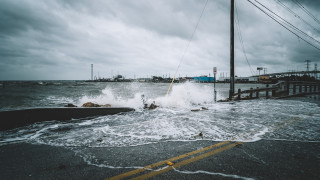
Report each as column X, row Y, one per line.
column 275, row 19
column 285, row 21
column 187, row 47
column 241, row 40
column 296, row 15
column 306, row 11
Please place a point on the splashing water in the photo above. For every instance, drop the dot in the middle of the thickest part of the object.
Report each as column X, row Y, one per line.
column 182, row 96
column 173, row 120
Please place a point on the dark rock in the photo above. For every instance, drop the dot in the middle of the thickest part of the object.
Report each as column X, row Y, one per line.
column 90, row 104
column 106, row 105
column 204, row 108
column 199, row 135
column 153, row 106
column 70, row 105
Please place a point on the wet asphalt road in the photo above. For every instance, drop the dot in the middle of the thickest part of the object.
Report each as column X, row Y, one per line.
column 264, row 159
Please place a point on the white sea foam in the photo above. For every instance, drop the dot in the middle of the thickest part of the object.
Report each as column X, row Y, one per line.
column 181, row 96
column 174, row 120
column 58, row 100
column 108, row 97
column 186, row 95
column 213, row 174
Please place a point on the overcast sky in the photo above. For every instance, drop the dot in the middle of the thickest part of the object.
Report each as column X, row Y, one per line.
column 56, row 39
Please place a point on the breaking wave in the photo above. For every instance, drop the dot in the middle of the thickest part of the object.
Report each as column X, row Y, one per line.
column 174, row 120
column 181, row 96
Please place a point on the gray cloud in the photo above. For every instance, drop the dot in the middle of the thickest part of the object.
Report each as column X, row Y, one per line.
column 59, row 39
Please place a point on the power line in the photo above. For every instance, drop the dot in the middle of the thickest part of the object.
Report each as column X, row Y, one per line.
column 274, row 18
column 306, row 11
column 187, row 47
column 241, row 40
column 195, row 29
column 292, row 26
column 296, row 15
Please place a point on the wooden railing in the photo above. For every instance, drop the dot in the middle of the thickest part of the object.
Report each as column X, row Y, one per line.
column 282, row 89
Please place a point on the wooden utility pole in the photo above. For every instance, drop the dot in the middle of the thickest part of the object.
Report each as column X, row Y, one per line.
column 214, row 81
column 231, row 92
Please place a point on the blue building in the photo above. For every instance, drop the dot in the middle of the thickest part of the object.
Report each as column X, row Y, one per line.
column 203, row 79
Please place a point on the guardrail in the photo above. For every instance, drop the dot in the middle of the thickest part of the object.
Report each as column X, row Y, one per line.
column 282, row 89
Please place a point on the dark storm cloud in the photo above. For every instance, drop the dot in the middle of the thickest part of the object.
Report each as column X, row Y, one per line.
column 165, row 17
column 272, row 46
column 20, row 16
column 59, row 39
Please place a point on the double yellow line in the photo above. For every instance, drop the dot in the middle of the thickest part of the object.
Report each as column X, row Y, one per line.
column 213, row 149
column 223, row 146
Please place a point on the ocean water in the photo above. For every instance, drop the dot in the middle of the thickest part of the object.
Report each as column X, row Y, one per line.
column 290, row 119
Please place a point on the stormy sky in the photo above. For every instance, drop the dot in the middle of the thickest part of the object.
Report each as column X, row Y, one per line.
column 59, row 40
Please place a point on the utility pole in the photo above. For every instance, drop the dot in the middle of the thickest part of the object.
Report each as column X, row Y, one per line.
column 315, row 70
column 91, row 71
column 231, row 92
column 214, row 81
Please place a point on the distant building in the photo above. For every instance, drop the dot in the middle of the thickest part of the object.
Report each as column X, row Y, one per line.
column 239, row 79
column 264, row 79
column 144, row 79
column 203, row 79
column 253, row 79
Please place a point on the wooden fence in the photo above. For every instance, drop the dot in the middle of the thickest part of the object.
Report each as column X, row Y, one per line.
column 282, row 89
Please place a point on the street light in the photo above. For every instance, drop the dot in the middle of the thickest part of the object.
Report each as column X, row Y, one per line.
column 259, row 69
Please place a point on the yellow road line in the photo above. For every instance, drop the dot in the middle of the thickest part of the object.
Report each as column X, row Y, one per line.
column 187, row 161
column 130, row 173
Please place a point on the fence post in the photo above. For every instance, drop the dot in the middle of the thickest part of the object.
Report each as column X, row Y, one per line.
column 267, row 92
column 300, row 88
column 294, row 88
column 288, row 88
column 273, row 93
column 305, row 88
column 251, row 93
column 239, row 94
column 257, row 93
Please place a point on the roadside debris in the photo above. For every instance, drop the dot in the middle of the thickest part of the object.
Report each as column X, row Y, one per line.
column 145, row 104
column 170, row 163
column 153, row 105
column 195, row 110
column 199, row 135
column 202, row 108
